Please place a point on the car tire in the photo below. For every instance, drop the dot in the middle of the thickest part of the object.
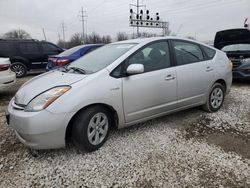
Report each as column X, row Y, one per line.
column 215, row 99
column 19, row 68
column 91, row 128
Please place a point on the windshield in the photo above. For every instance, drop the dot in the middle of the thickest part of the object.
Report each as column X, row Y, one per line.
column 101, row 58
column 236, row 47
column 70, row 51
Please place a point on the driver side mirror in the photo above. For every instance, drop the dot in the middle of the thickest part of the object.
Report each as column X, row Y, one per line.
column 135, row 69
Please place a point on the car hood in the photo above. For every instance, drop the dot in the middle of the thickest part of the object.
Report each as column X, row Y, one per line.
column 43, row 82
column 231, row 36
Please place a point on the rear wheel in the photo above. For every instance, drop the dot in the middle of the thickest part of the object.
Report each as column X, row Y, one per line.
column 91, row 128
column 19, row 68
column 215, row 99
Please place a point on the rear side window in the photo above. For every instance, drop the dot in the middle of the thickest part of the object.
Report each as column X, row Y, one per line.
column 209, row 52
column 5, row 47
column 187, row 52
column 29, row 48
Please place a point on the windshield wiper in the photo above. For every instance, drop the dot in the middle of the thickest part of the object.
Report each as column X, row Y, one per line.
column 77, row 69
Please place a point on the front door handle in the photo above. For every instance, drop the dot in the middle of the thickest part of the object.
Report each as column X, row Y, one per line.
column 169, row 77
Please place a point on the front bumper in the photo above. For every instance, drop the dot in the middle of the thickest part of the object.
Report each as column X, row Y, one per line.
column 38, row 130
column 240, row 74
column 241, row 70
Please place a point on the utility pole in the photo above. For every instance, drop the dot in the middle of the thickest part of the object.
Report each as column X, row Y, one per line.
column 59, row 37
column 63, row 31
column 139, row 18
column 44, row 35
column 137, row 6
column 82, row 16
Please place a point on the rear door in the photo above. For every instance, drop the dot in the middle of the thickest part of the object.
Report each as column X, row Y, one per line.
column 154, row 91
column 194, row 73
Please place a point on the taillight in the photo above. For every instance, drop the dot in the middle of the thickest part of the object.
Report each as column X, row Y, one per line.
column 60, row 62
column 4, row 67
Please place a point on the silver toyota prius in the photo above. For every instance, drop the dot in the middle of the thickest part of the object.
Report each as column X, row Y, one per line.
column 119, row 84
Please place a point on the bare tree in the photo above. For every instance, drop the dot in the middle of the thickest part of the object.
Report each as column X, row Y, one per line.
column 94, row 38
column 75, row 40
column 191, row 37
column 106, row 39
column 17, row 34
column 121, row 36
column 61, row 43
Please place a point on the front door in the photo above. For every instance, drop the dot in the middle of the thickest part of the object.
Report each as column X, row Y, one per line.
column 154, row 91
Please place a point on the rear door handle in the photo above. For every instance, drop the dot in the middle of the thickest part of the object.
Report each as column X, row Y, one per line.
column 169, row 77
column 208, row 69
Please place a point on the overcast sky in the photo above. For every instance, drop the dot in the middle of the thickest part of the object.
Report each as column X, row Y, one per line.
column 200, row 18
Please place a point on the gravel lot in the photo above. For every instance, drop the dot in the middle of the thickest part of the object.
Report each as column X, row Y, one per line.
column 185, row 149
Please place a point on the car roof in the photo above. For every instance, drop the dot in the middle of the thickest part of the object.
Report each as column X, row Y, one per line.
column 89, row 45
column 151, row 39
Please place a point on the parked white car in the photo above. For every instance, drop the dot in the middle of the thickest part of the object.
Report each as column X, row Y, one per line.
column 7, row 77
column 119, row 84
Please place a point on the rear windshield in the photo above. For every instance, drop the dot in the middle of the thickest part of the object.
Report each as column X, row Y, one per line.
column 236, row 47
column 70, row 51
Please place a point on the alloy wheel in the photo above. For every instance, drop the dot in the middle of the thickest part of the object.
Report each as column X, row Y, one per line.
column 216, row 98
column 97, row 128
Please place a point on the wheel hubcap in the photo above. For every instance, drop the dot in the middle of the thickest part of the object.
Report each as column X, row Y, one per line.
column 18, row 69
column 216, row 98
column 97, row 128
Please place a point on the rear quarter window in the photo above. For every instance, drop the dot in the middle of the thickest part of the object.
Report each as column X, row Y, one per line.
column 209, row 52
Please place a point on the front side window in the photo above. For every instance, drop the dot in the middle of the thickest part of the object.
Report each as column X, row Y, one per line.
column 154, row 57
column 29, row 48
column 49, row 47
column 186, row 52
column 102, row 57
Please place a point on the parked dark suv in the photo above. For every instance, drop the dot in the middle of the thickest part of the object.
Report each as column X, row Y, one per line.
column 26, row 55
column 236, row 43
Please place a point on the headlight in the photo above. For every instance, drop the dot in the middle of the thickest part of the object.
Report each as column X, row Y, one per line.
column 43, row 100
column 247, row 60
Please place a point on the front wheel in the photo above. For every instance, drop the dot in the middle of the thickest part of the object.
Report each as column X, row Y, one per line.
column 91, row 128
column 215, row 99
